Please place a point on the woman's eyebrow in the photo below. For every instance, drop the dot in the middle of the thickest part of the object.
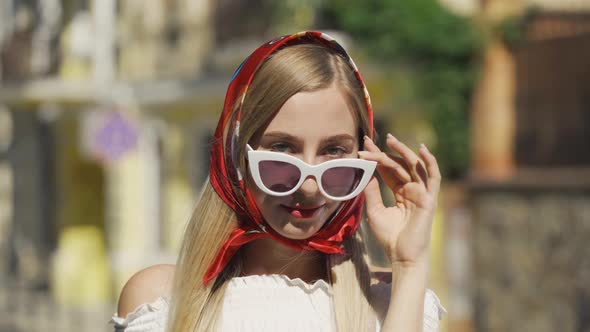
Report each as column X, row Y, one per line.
column 338, row 138
column 330, row 139
column 283, row 136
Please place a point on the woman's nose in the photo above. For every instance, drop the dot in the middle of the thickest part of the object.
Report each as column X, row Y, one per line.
column 309, row 187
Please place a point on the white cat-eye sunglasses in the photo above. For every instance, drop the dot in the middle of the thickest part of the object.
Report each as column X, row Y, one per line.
column 279, row 174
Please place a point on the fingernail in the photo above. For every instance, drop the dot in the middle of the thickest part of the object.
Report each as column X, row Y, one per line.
column 423, row 146
column 363, row 153
column 367, row 138
column 389, row 135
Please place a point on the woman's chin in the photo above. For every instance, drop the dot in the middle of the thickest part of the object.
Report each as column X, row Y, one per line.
column 298, row 229
column 297, row 235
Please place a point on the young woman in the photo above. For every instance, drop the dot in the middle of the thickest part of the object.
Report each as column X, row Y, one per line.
column 273, row 243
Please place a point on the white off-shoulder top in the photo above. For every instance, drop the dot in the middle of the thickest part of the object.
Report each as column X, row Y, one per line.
column 272, row 303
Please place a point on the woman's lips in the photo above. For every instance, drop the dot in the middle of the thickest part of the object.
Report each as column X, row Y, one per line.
column 302, row 212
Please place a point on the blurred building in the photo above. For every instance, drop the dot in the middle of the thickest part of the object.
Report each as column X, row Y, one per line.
column 528, row 193
column 106, row 111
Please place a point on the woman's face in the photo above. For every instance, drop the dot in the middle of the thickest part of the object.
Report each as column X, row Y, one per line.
column 315, row 127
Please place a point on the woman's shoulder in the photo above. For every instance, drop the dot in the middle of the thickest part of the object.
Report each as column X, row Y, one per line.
column 144, row 287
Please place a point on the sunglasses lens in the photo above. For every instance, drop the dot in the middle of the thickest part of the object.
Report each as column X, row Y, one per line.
column 279, row 176
column 341, row 181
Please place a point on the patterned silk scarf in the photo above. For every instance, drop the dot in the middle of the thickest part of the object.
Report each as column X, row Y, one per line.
column 224, row 172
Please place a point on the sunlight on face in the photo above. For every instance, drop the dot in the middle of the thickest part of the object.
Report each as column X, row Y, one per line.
column 314, row 127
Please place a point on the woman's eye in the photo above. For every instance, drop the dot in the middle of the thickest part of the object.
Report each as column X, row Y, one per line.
column 279, row 147
column 336, row 151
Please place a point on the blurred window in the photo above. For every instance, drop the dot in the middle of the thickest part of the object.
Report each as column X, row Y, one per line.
column 553, row 91
column 235, row 19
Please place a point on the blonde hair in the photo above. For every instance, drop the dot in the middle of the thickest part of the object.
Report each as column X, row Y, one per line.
column 196, row 307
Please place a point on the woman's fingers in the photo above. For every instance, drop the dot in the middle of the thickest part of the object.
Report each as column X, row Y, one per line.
column 417, row 194
column 417, row 169
column 434, row 176
column 408, row 168
column 373, row 198
column 391, row 163
column 392, row 172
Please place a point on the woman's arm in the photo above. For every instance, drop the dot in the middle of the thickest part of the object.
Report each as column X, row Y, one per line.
column 406, row 306
column 404, row 229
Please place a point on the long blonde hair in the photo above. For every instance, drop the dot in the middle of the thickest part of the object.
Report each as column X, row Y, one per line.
column 196, row 307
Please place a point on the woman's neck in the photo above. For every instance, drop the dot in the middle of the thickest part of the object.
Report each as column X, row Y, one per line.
column 267, row 256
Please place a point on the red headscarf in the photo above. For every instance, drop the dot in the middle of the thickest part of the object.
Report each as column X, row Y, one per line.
column 224, row 172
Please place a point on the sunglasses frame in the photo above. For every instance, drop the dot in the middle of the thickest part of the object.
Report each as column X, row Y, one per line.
column 255, row 157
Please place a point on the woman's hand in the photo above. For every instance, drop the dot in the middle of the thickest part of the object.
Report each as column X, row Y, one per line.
column 404, row 229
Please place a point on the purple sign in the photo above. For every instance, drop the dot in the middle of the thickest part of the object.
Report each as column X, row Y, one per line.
column 115, row 137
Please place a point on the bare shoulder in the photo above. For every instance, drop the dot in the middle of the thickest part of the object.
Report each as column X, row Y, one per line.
column 145, row 286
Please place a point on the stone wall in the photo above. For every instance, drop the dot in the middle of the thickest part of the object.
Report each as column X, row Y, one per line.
column 531, row 257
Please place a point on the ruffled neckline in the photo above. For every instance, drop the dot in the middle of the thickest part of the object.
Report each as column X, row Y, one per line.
column 267, row 281
column 158, row 305
column 278, row 281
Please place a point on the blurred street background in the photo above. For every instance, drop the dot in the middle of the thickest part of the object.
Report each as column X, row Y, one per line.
column 107, row 109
